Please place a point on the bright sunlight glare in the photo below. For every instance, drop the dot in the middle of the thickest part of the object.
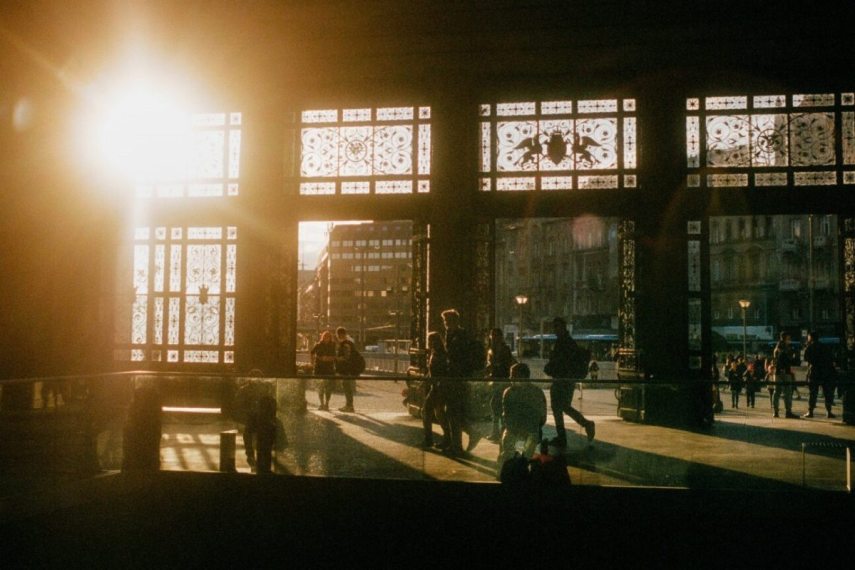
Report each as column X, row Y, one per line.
column 137, row 131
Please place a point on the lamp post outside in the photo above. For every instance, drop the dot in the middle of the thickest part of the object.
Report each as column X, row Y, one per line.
column 744, row 304
column 521, row 301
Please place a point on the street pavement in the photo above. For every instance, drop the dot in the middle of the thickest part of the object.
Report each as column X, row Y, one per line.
column 745, row 448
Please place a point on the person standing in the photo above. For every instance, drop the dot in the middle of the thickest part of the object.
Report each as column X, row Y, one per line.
column 756, row 373
column 499, row 362
column 434, row 386
column 247, row 400
column 820, row 374
column 323, row 364
column 559, row 367
column 783, row 377
column 459, row 345
column 735, row 377
column 344, row 357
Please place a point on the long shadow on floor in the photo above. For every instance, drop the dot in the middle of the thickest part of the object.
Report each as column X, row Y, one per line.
column 412, row 436
column 318, row 447
column 650, row 469
column 786, row 439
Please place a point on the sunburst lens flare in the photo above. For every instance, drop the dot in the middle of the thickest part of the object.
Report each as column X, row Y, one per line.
column 137, row 132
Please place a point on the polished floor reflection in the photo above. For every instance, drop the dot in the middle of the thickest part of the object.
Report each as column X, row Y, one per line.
column 745, row 449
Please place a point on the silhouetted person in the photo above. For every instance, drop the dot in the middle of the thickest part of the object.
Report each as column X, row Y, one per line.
column 323, row 364
column 735, row 376
column 264, row 430
column 433, row 387
column 459, row 345
column 821, row 374
column 782, row 358
column 344, row 366
column 560, row 368
column 141, row 447
column 247, row 399
column 499, row 362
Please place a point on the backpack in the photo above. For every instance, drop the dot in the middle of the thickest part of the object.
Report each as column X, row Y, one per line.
column 574, row 365
column 357, row 362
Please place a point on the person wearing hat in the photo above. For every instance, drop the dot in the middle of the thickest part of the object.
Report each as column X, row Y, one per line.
column 559, row 367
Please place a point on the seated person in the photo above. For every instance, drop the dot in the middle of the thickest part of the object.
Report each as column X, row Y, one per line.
column 523, row 415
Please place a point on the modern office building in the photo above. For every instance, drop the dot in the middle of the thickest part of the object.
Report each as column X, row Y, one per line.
column 363, row 281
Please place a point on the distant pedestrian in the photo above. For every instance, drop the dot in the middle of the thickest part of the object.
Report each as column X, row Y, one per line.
column 783, row 376
column 561, row 367
column 753, row 377
column 499, row 362
column 821, row 374
column 323, row 364
column 344, row 366
column 594, row 370
column 735, row 378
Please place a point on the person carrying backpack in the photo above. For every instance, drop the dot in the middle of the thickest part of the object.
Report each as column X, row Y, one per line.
column 347, row 364
column 567, row 363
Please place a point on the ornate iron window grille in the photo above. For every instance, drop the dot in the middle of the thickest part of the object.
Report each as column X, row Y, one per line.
column 770, row 140
column 558, row 145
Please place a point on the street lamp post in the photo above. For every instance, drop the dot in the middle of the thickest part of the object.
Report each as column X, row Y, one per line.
column 521, row 301
column 744, row 304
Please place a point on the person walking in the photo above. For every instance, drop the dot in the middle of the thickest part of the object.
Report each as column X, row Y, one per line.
column 499, row 363
column 560, row 367
column 323, row 364
column 821, row 374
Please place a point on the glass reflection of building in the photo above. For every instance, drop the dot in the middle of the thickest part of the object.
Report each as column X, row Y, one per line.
column 566, row 267
column 786, row 266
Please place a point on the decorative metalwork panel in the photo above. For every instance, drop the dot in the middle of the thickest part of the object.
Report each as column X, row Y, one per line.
column 694, row 230
column 626, row 312
column 420, row 299
column 770, row 140
column 483, row 282
column 849, row 289
column 387, row 150
column 203, row 160
column 193, row 319
column 558, row 145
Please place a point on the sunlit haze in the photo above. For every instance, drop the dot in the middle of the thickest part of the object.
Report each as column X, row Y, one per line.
column 135, row 130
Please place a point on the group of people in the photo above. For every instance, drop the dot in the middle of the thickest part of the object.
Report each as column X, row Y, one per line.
column 518, row 408
column 777, row 372
column 331, row 357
